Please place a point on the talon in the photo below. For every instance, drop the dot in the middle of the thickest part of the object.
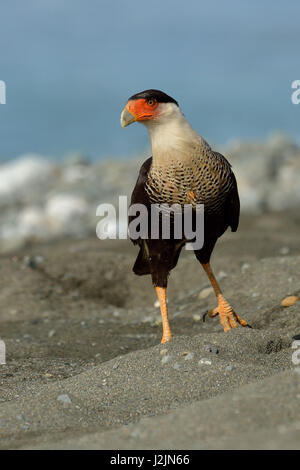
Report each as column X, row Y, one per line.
column 242, row 322
column 210, row 313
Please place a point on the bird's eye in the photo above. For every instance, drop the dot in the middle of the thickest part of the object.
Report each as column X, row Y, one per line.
column 151, row 102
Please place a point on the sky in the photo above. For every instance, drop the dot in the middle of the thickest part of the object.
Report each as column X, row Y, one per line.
column 69, row 67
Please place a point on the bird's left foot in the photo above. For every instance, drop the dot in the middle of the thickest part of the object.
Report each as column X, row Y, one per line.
column 228, row 318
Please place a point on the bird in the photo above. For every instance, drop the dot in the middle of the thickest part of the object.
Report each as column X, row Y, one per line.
column 183, row 169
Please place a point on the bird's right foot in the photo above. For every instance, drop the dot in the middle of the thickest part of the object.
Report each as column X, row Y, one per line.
column 228, row 318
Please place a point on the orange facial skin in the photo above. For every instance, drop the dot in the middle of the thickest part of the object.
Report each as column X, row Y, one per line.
column 142, row 109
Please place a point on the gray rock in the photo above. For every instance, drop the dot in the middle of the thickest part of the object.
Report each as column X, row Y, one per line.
column 166, row 359
column 189, row 356
column 64, row 398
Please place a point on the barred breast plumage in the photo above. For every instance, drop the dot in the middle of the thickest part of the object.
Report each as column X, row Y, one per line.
column 203, row 177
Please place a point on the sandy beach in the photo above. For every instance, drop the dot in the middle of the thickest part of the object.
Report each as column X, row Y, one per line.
column 85, row 367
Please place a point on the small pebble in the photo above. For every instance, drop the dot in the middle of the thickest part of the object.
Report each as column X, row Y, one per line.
column 245, row 266
column 289, row 300
column 25, row 426
column 176, row 366
column 33, row 261
column 205, row 292
column 229, row 368
column 204, row 361
column 115, row 366
column 189, row 356
column 196, row 317
column 51, row 333
column 163, row 351
column 222, row 275
column 166, row 359
column 284, row 250
column 64, row 399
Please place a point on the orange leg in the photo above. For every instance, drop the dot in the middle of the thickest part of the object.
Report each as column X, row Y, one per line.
column 162, row 297
column 228, row 318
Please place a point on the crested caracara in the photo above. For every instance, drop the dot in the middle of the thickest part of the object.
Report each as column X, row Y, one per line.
column 183, row 170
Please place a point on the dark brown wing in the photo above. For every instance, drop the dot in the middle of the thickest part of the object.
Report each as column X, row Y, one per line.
column 139, row 194
column 232, row 207
column 232, row 203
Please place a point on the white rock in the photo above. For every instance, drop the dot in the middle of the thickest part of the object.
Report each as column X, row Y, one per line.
column 75, row 173
column 204, row 361
column 26, row 173
column 31, row 222
column 65, row 212
column 205, row 292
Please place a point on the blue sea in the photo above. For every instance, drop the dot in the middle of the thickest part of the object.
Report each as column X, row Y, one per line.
column 70, row 65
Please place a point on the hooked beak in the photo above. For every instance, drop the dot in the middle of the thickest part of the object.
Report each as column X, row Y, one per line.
column 127, row 117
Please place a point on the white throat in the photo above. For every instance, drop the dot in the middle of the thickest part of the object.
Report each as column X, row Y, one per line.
column 171, row 136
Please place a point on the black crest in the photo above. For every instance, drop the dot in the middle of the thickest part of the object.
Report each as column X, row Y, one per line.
column 156, row 95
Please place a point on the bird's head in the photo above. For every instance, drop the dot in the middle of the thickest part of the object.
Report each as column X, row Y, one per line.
column 148, row 106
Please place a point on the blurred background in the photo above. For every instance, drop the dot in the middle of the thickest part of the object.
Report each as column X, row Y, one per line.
column 70, row 66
